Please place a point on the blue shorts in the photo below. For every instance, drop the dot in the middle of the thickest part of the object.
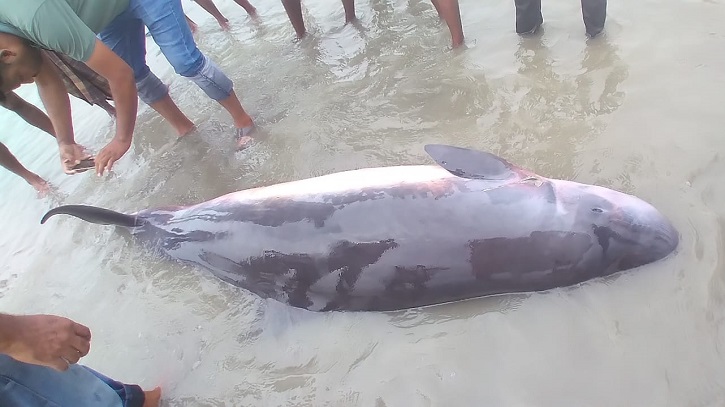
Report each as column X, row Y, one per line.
column 165, row 20
column 27, row 385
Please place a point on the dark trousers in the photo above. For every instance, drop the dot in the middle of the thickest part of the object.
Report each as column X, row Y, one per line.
column 528, row 15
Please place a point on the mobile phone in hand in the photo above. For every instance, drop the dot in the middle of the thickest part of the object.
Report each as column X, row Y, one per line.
column 85, row 164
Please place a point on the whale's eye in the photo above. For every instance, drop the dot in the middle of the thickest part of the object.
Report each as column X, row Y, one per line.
column 597, row 210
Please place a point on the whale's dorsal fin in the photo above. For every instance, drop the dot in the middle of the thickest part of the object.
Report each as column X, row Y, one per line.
column 473, row 164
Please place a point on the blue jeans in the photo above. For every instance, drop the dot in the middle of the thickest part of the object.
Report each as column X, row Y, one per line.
column 27, row 385
column 167, row 24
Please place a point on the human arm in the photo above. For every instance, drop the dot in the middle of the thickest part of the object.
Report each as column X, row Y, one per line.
column 55, row 99
column 9, row 162
column 58, row 27
column 123, row 89
column 46, row 340
column 28, row 112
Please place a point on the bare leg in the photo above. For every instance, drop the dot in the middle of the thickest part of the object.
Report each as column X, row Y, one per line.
column 152, row 397
column 294, row 12
column 210, row 7
column 240, row 117
column 234, row 107
column 248, row 7
column 349, row 6
column 192, row 24
column 449, row 11
column 242, row 121
column 437, row 7
column 169, row 111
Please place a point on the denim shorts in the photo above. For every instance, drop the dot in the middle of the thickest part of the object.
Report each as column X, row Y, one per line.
column 27, row 385
column 165, row 20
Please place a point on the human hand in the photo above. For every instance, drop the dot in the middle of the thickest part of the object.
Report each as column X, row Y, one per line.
column 110, row 154
column 46, row 340
column 70, row 156
column 40, row 185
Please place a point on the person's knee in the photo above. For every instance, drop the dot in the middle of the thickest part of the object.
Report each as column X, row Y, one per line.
column 150, row 89
column 213, row 81
column 188, row 64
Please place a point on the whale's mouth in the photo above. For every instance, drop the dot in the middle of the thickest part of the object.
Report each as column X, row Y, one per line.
column 651, row 236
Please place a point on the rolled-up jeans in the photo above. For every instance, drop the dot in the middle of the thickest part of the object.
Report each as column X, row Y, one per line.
column 528, row 15
column 167, row 24
column 27, row 385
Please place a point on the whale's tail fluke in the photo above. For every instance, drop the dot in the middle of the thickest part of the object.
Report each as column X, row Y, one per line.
column 96, row 215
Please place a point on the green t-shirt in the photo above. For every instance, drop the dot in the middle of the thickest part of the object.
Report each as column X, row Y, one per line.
column 66, row 26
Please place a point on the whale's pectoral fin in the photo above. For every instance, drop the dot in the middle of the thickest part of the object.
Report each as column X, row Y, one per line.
column 473, row 164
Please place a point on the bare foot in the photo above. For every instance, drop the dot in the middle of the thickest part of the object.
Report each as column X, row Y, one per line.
column 224, row 24
column 153, row 397
column 186, row 129
column 457, row 42
column 244, row 142
column 243, row 137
